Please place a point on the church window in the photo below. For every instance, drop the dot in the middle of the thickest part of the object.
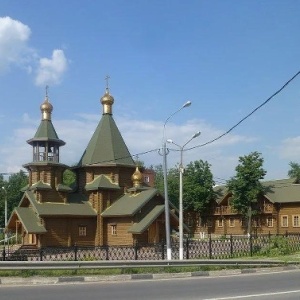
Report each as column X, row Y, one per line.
column 114, row 229
column 82, row 230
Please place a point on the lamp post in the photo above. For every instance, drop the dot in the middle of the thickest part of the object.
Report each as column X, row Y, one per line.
column 5, row 211
column 167, row 210
column 181, row 170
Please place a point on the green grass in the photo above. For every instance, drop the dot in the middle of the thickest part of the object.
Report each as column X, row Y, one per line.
column 114, row 271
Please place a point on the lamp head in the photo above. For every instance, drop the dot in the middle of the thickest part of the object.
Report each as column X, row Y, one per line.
column 170, row 141
column 188, row 103
column 196, row 134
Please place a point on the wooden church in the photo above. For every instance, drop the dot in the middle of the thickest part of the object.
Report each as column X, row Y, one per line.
column 109, row 204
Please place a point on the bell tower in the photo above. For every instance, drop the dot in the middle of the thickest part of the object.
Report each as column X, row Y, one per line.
column 45, row 170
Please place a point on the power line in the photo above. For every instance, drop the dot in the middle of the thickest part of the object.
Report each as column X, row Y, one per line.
column 247, row 116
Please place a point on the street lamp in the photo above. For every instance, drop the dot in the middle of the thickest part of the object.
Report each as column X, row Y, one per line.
column 5, row 211
column 181, row 170
column 167, row 210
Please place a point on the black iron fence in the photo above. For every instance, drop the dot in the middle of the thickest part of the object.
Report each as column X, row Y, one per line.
column 209, row 248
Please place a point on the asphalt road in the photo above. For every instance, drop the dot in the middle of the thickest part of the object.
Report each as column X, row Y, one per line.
column 282, row 285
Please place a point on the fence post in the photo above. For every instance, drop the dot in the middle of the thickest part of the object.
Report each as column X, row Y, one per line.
column 251, row 246
column 209, row 247
column 41, row 254
column 135, row 249
column 3, row 254
column 75, row 252
column 187, row 248
column 107, row 252
column 231, row 246
column 162, row 250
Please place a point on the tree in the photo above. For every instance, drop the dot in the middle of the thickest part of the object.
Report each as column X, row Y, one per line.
column 198, row 186
column 173, row 182
column 294, row 171
column 12, row 190
column 69, row 177
column 246, row 187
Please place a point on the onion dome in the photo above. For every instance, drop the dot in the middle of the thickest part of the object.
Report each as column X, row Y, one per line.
column 107, row 101
column 137, row 177
column 46, row 109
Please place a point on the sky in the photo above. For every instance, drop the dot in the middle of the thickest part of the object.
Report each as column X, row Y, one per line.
column 226, row 57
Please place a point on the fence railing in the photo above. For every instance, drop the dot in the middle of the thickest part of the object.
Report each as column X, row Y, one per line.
column 221, row 248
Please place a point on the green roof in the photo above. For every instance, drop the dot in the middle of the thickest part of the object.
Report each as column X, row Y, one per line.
column 101, row 182
column 106, row 146
column 141, row 226
column 77, row 206
column 63, row 188
column 282, row 191
column 46, row 132
column 30, row 220
column 277, row 191
column 40, row 186
column 130, row 203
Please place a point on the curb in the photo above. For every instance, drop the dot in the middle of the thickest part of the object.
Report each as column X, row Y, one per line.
column 81, row 279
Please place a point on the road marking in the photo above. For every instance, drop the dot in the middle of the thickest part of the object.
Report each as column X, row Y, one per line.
column 255, row 295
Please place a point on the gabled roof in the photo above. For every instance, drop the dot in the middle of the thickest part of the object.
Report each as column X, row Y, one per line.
column 106, row 146
column 276, row 191
column 30, row 220
column 130, row 203
column 282, row 191
column 101, row 182
column 63, row 188
column 141, row 226
column 77, row 206
column 40, row 185
column 46, row 132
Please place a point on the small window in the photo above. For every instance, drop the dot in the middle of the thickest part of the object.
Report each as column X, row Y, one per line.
column 284, row 221
column 269, row 222
column 146, row 179
column 114, row 229
column 82, row 230
column 231, row 222
column 220, row 222
column 296, row 221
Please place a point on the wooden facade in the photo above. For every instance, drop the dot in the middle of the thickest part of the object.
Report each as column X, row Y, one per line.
column 278, row 213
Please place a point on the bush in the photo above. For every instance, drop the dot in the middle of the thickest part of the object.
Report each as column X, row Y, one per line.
column 278, row 245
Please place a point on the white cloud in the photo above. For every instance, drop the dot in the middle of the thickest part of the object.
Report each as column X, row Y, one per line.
column 50, row 71
column 14, row 36
column 139, row 136
column 15, row 51
column 290, row 148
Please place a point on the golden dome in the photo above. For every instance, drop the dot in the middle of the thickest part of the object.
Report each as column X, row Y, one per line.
column 46, row 109
column 107, row 101
column 137, row 177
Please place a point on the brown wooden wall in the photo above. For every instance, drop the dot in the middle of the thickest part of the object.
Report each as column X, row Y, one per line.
column 65, row 232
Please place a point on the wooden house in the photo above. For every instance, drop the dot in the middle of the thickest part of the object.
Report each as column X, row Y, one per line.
column 278, row 212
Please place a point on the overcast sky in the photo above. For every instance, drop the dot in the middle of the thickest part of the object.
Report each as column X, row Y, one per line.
column 226, row 57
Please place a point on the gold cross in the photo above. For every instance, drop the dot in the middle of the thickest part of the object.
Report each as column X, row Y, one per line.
column 107, row 78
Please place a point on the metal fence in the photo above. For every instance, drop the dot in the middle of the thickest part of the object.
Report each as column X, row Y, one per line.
column 210, row 248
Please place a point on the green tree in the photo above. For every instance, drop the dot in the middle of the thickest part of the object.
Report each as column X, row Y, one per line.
column 12, row 190
column 69, row 177
column 198, row 186
column 246, row 186
column 173, row 182
column 294, row 171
